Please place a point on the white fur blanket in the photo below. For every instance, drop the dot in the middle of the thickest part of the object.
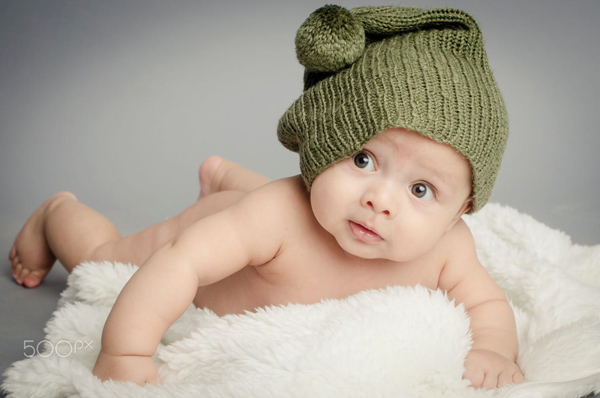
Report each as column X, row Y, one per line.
column 398, row 342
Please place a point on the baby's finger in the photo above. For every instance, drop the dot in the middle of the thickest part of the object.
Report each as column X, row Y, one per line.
column 505, row 378
column 491, row 380
column 518, row 377
column 475, row 376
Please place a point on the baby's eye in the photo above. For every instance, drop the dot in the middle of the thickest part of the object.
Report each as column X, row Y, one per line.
column 422, row 191
column 364, row 161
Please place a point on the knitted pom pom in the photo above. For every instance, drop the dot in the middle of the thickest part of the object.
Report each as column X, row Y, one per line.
column 329, row 40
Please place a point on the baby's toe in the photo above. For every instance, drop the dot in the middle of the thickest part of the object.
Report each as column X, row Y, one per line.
column 24, row 273
column 16, row 271
column 34, row 278
column 13, row 253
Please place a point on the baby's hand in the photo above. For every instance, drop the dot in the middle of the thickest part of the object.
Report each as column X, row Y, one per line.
column 137, row 369
column 489, row 369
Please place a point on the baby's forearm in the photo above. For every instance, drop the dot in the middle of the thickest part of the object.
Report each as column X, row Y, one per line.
column 158, row 293
column 494, row 328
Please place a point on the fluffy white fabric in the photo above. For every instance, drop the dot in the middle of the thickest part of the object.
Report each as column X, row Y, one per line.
column 398, row 342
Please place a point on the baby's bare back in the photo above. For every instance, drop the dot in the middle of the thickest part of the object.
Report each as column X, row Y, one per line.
column 311, row 266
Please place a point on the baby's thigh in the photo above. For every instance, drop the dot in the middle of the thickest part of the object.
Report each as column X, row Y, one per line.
column 209, row 205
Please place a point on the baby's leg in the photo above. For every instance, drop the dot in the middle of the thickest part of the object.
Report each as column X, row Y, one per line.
column 218, row 174
column 64, row 229
column 59, row 227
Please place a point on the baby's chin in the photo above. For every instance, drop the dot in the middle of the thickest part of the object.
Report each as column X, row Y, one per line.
column 378, row 252
column 365, row 251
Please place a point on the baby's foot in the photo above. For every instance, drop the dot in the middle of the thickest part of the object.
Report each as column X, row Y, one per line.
column 30, row 257
column 211, row 173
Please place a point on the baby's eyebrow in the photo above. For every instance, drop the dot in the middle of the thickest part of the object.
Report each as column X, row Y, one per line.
column 446, row 179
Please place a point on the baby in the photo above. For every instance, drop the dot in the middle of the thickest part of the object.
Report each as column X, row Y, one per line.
column 400, row 131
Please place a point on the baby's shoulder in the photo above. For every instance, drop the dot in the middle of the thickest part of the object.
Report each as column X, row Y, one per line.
column 292, row 187
column 458, row 241
column 268, row 214
column 283, row 199
column 285, row 192
column 460, row 232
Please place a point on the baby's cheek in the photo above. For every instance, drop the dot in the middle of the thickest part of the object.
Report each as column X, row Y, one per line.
column 325, row 218
column 410, row 247
column 319, row 210
column 400, row 251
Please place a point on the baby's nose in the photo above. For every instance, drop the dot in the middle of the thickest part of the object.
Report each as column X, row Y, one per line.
column 377, row 210
column 381, row 197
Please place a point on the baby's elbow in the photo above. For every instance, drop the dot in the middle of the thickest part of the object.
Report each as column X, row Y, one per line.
column 175, row 250
column 169, row 244
column 492, row 304
column 175, row 255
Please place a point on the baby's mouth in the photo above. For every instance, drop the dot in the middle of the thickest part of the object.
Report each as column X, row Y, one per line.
column 363, row 233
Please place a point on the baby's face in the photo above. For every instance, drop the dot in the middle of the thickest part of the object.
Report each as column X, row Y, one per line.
column 395, row 198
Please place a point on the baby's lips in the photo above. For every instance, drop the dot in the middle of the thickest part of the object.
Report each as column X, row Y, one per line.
column 364, row 233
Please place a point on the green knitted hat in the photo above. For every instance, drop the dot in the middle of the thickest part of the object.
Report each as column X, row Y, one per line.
column 374, row 68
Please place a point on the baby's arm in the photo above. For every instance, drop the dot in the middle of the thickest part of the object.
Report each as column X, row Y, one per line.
column 163, row 288
column 491, row 362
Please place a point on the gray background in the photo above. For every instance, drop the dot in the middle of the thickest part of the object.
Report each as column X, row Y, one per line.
column 119, row 102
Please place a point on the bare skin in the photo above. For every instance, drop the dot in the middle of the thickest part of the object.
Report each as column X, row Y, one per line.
column 217, row 174
column 30, row 256
column 279, row 244
column 33, row 252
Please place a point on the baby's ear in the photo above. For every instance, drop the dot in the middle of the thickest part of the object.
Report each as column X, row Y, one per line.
column 467, row 206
